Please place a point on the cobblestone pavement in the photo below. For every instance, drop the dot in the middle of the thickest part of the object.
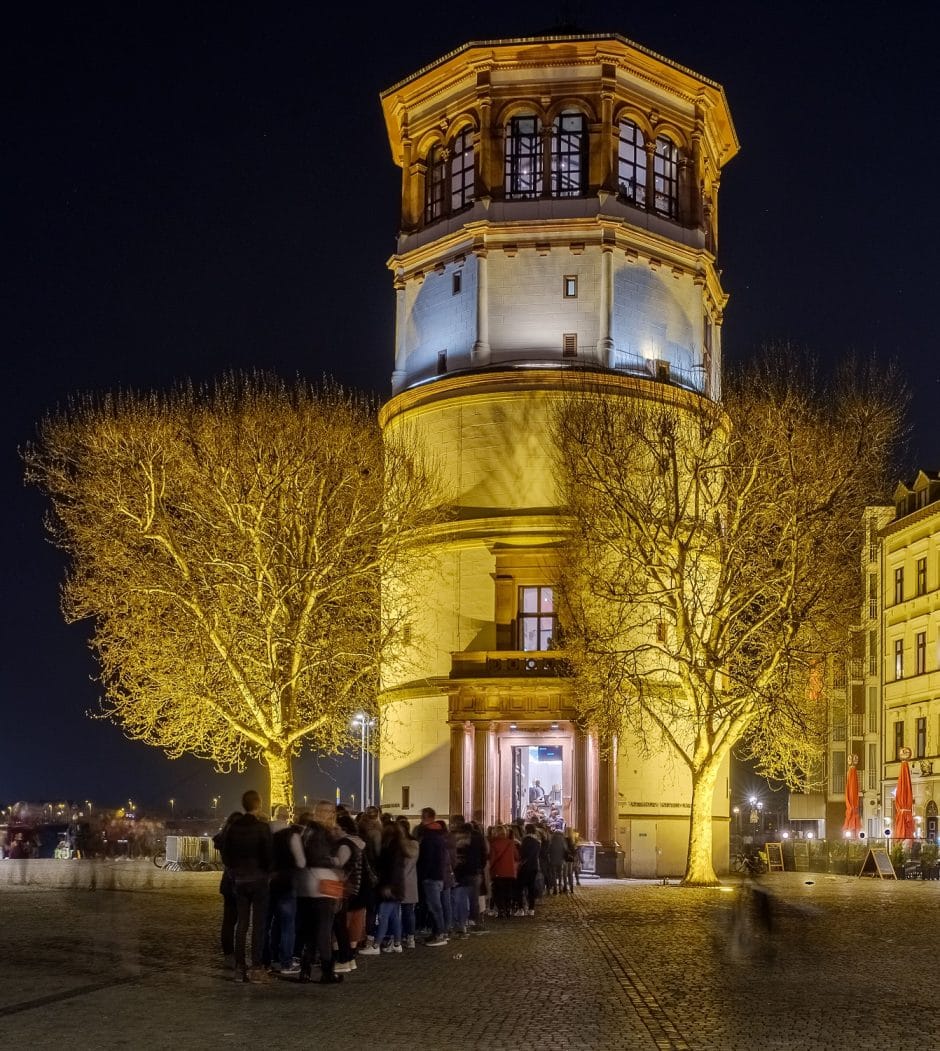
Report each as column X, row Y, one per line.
column 628, row 965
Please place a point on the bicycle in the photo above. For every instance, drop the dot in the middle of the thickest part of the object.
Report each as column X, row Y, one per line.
column 750, row 864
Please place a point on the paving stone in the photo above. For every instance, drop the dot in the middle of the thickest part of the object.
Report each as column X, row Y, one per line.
column 625, row 966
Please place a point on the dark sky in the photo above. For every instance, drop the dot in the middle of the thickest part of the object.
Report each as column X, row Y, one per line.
column 192, row 188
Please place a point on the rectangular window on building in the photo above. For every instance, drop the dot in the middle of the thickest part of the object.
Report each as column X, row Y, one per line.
column 441, row 362
column 873, row 709
column 570, row 286
column 920, row 653
column 921, row 743
column 456, row 283
column 922, row 576
column 872, row 766
column 837, row 785
column 872, row 596
column 569, row 345
column 873, row 653
column 406, row 797
column 899, row 585
column 538, row 622
column 898, row 739
column 898, row 659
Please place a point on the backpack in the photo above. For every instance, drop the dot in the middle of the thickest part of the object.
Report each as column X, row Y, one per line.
column 352, row 869
column 316, row 847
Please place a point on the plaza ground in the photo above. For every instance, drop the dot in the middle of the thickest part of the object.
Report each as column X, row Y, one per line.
column 622, row 965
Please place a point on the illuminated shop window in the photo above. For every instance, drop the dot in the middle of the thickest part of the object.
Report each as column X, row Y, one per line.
column 538, row 623
column 631, row 163
column 569, row 155
column 666, row 178
column 523, row 158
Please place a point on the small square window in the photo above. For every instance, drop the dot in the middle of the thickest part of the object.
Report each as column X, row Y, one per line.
column 571, row 286
column 456, row 283
column 569, row 345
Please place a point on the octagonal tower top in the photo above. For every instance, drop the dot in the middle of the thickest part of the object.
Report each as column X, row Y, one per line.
column 572, row 147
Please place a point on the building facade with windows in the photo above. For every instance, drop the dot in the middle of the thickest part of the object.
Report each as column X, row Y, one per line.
column 910, row 639
column 559, row 212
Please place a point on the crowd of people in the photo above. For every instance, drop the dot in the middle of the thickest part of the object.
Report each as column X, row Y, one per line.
column 325, row 887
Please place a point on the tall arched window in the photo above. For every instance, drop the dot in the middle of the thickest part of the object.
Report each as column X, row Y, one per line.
column 631, row 163
column 666, row 178
column 461, row 171
column 523, row 158
column 569, row 155
column 435, row 181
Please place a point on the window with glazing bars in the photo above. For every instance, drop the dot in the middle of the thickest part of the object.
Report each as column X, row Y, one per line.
column 435, row 181
column 899, row 658
column 631, row 163
column 920, row 749
column 569, row 155
column 666, row 178
column 922, row 576
column 898, row 585
column 538, row 623
column 920, row 653
column 523, row 158
column 461, row 171
column 898, row 739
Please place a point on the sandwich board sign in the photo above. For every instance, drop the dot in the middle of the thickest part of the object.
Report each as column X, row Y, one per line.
column 877, row 865
column 774, row 857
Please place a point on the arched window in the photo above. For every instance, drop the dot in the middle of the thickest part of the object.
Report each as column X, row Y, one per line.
column 631, row 163
column 523, row 158
column 666, row 178
column 569, row 155
column 461, row 171
column 435, row 181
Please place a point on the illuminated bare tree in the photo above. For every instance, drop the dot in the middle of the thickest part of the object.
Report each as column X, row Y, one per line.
column 714, row 561
column 229, row 545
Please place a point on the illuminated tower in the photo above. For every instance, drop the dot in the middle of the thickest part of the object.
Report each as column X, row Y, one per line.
column 559, row 210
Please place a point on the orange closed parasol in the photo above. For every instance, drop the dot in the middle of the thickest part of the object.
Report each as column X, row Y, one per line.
column 853, row 822
column 904, row 804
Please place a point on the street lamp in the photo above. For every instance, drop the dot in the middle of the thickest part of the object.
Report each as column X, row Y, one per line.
column 365, row 724
column 172, row 806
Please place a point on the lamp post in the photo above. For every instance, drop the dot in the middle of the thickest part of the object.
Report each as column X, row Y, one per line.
column 365, row 724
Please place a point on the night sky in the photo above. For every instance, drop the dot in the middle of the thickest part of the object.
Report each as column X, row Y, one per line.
column 191, row 189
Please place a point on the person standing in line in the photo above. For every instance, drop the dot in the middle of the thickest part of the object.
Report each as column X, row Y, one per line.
column 504, row 863
column 229, row 901
column 247, row 854
column 529, row 850
column 433, row 860
column 319, row 884
column 391, row 890
column 409, row 849
column 282, row 903
column 350, row 852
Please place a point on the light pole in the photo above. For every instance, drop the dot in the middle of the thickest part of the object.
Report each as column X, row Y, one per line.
column 364, row 724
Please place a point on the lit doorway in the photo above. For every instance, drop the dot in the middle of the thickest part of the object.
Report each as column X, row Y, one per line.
column 536, row 775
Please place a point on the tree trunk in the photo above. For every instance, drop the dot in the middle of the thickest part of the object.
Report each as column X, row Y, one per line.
column 281, row 777
column 699, row 867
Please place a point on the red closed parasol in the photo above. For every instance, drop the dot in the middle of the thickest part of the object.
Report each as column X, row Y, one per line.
column 853, row 822
column 904, row 804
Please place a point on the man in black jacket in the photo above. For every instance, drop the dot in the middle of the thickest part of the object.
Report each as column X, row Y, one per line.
column 247, row 854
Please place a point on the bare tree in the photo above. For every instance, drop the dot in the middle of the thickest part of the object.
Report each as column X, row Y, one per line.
column 714, row 560
column 229, row 545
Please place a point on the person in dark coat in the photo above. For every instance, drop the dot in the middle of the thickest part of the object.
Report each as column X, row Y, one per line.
column 433, row 862
column 247, row 854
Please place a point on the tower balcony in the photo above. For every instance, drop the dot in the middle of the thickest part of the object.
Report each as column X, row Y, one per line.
column 509, row 664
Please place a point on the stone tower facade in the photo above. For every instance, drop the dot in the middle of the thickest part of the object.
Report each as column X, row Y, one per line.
column 559, row 212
